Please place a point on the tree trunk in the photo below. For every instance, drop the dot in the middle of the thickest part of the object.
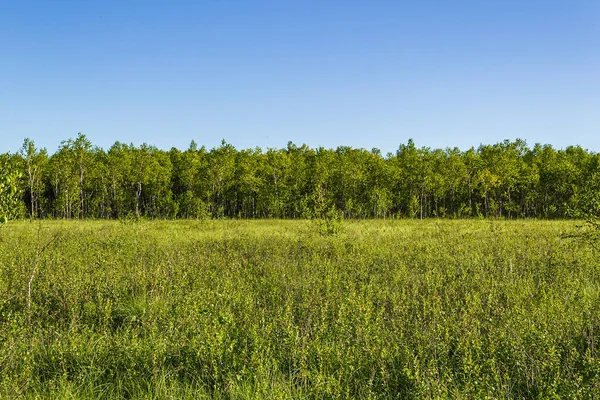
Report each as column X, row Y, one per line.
column 138, row 195
column 31, row 181
column 81, row 196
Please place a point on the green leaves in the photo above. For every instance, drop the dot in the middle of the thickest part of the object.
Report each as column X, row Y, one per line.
column 10, row 204
column 504, row 180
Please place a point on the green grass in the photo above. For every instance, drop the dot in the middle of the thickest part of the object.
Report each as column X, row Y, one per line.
column 276, row 309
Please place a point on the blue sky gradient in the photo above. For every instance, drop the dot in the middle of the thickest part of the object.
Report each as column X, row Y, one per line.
column 325, row 73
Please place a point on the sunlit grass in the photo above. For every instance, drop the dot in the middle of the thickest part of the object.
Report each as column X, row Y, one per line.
column 277, row 309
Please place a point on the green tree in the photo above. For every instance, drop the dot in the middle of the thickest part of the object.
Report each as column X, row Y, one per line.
column 119, row 168
column 35, row 161
column 456, row 177
column 378, row 193
column 99, row 185
column 248, row 182
column 218, row 174
column 151, row 179
column 473, row 163
column 63, row 182
column 81, row 149
column 275, row 193
column 319, row 195
column 410, row 178
column 297, row 179
column 11, row 204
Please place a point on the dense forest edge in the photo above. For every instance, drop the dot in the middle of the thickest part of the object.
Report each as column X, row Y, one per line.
column 504, row 180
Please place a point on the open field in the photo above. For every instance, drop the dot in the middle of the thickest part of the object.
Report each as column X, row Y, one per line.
column 274, row 309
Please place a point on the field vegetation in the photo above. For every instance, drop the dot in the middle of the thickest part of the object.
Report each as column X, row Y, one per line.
column 378, row 309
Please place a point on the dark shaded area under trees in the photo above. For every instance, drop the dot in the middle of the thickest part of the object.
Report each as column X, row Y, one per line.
column 507, row 180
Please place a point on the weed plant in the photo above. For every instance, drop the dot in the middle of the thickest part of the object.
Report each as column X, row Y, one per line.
column 276, row 309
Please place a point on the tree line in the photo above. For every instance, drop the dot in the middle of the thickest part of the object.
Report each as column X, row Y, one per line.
column 505, row 180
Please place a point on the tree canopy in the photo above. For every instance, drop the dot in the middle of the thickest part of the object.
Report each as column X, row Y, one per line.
column 505, row 180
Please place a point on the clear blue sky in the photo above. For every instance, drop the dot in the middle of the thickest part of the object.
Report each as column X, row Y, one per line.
column 322, row 72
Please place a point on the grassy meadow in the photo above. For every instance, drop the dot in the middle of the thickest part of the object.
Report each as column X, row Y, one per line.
column 291, row 309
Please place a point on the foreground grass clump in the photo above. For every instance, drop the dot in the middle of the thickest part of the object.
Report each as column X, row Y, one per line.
column 274, row 309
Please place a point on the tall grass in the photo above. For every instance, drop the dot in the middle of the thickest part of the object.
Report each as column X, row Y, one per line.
column 276, row 309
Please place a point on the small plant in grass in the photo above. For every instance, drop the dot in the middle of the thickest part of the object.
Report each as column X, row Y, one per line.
column 130, row 218
column 330, row 224
column 589, row 231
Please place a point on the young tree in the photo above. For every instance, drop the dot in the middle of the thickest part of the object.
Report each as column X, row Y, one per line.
column 35, row 160
column 10, row 193
column 412, row 178
column 319, row 197
column 219, row 174
column 81, row 149
column 119, row 169
column 151, row 175
column 472, row 162
column 63, row 182
column 247, row 182
column 456, row 177
column 275, row 170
